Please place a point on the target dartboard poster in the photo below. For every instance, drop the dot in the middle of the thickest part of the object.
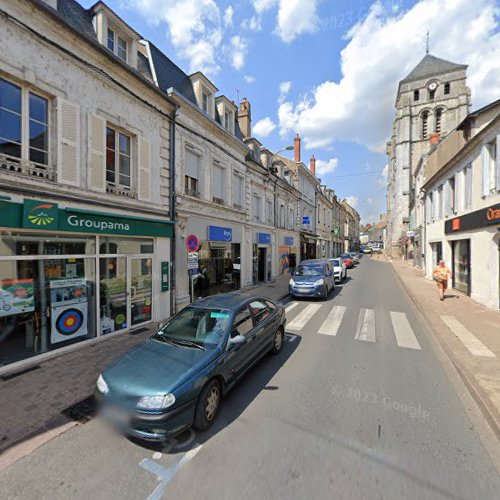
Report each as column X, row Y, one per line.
column 69, row 322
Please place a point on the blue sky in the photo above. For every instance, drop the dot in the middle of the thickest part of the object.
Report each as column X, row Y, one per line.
column 327, row 69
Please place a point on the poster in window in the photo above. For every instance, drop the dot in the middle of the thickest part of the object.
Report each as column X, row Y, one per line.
column 16, row 297
column 284, row 262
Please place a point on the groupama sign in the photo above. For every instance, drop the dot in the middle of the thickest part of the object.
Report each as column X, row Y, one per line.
column 36, row 214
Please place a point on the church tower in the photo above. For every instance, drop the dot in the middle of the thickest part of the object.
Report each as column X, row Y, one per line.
column 431, row 101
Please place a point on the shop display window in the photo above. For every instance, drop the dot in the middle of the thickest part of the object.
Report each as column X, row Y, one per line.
column 45, row 304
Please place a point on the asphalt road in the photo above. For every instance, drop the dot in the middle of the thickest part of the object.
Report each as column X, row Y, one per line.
column 366, row 413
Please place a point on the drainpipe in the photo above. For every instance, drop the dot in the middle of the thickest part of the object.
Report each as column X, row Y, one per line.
column 424, row 236
column 173, row 217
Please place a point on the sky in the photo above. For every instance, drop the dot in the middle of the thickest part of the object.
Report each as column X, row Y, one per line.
column 326, row 69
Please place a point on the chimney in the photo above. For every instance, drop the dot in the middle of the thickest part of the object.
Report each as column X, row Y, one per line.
column 245, row 119
column 312, row 165
column 296, row 147
column 435, row 138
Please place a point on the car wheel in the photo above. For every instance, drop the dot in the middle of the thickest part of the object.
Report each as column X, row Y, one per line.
column 278, row 341
column 207, row 406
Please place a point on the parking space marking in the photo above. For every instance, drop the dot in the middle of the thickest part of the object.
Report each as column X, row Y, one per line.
column 303, row 317
column 403, row 331
column 290, row 337
column 471, row 343
column 165, row 475
column 366, row 325
column 332, row 322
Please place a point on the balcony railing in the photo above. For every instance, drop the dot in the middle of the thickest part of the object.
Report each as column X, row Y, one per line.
column 120, row 191
column 27, row 168
column 192, row 192
column 218, row 201
column 236, row 206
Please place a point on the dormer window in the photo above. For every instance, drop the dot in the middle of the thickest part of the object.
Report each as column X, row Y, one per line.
column 227, row 120
column 204, row 101
column 117, row 45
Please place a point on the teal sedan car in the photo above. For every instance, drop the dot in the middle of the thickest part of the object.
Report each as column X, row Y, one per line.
column 177, row 378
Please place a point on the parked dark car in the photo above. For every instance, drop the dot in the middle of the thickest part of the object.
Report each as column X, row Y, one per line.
column 177, row 378
column 312, row 278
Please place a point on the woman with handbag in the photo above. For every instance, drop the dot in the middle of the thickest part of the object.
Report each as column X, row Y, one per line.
column 440, row 275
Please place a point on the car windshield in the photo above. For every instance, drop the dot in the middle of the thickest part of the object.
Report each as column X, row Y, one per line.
column 196, row 327
column 336, row 263
column 345, row 256
column 310, row 270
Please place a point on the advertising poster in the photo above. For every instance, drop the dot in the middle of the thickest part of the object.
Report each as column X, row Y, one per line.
column 284, row 263
column 16, row 297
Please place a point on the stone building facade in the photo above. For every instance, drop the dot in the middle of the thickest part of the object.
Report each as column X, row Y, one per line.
column 433, row 98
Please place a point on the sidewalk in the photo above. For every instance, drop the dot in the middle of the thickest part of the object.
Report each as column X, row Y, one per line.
column 468, row 332
column 54, row 393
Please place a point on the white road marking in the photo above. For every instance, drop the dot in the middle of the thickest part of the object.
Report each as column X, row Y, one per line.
column 303, row 317
column 471, row 343
column 290, row 337
column 366, row 325
column 290, row 306
column 403, row 331
column 165, row 475
column 332, row 322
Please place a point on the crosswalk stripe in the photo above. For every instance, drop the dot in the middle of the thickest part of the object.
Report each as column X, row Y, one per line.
column 366, row 325
column 303, row 317
column 403, row 331
column 290, row 306
column 471, row 343
column 332, row 322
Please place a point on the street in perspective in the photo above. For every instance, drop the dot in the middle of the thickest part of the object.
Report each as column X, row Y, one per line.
column 249, row 249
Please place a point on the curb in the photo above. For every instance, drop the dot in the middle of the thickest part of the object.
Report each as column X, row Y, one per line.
column 488, row 410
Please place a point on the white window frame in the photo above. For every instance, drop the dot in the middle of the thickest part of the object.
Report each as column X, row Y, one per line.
column 26, row 90
column 116, row 43
column 256, row 207
column 269, row 211
column 118, row 131
column 238, row 202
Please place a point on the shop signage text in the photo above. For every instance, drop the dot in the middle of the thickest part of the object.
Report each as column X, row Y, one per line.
column 289, row 241
column 489, row 216
column 216, row 233
column 264, row 238
column 192, row 260
column 306, row 219
column 43, row 215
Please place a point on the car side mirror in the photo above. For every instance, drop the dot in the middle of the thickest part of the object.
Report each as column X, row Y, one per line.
column 237, row 339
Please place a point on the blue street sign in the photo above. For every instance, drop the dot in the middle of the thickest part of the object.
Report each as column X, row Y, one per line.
column 216, row 233
column 264, row 238
column 289, row 241
column 306, row 219
column 192, row 272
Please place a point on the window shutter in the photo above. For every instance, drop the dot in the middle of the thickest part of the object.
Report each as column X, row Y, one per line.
column 485, row 174
column 497, row 162
column 192, row 165
column 218, row 189
column 68, row 143
column 144, row 170
column 97, row 153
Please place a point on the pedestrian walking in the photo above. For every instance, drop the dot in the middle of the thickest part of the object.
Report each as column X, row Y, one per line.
column 440, row 275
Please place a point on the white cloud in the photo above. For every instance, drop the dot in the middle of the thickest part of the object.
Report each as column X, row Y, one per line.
column 296, row 17
column 261, row 6
column 249, row 79
column 228, row 16
column 382, row 180
column 253, row 23
column 381, row 50
column 194, row 28
column 369, row 200
column 238, row 49
column 353, row 201
column 264, row 127
column 326, row 167
column 284, row 90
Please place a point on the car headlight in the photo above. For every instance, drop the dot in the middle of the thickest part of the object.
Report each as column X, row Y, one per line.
column 319, row 282
column 156, row 402
column 291, row 282
column 101, row 385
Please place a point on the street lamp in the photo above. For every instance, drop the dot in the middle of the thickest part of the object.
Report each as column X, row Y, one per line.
column 286, row 148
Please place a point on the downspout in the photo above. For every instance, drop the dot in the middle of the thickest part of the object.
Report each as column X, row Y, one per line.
column 172, row 210
column 424, row 253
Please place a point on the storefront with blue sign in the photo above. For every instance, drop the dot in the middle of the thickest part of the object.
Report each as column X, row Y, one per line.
column 262, row 257
column 219, row 259
column 287, row 254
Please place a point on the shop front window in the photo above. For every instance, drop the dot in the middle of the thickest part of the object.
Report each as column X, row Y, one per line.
column 461, row 265
column 219, row 269
column 45, row 303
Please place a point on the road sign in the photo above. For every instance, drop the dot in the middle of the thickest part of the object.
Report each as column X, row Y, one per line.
column 193, row 243
column 193, row 272
column 192, row 260
column 306, row 219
